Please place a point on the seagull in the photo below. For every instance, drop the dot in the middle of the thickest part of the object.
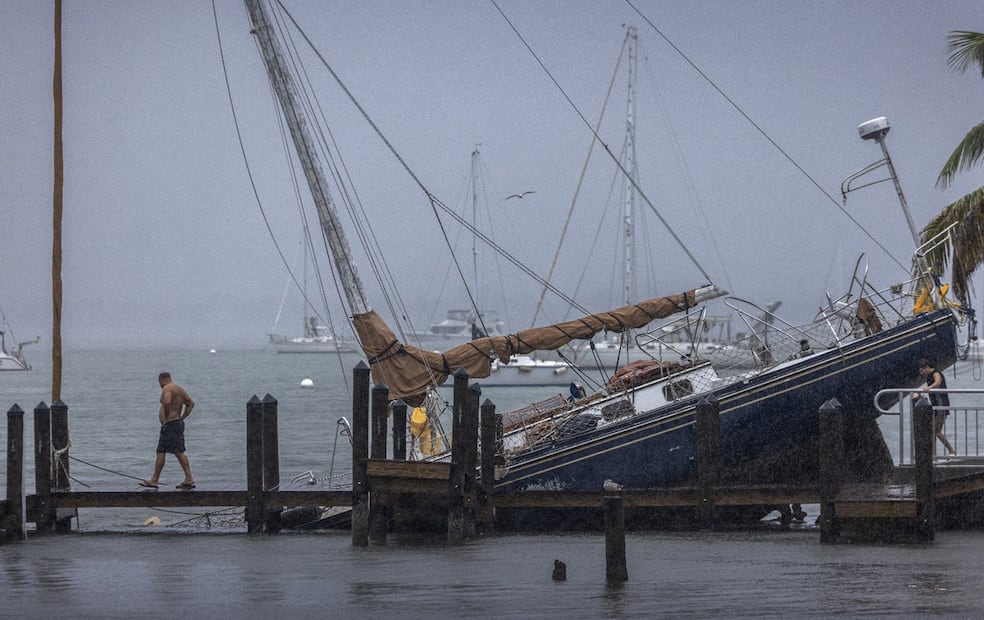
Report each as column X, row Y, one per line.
column 520, row 195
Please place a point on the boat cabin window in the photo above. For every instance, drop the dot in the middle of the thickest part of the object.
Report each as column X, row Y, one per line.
column 678, row 389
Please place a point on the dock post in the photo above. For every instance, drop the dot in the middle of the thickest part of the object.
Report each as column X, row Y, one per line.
column 488, row 422
column 924, row 439
column 470, row 426
column 44, row 518
column 271, row 464
column 378, row 520
column 60, row 444
column 399, row 430
column 360, row 452
column 456, row 490
column 831, row 447
column 254, row 465
column 615, row 566
column 708, row 457
column 16, row 506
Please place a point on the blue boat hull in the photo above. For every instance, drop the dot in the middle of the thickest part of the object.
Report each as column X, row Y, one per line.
column 769, row 424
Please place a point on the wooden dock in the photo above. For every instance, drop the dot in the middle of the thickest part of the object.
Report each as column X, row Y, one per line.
column 459, row 494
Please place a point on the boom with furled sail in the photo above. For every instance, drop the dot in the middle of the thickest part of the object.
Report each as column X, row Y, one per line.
column 409, row 371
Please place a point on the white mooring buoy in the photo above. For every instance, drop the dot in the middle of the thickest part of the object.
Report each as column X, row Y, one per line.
column 307, row 383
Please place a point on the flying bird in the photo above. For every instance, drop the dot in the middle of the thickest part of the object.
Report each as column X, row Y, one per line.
column 520, row 195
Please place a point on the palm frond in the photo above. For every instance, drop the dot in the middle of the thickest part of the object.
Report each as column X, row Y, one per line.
column 965, row 48
column 967, row 241
column 969, row 153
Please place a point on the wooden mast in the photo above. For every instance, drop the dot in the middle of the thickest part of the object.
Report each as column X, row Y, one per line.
column 56, row 225
column 307, row 152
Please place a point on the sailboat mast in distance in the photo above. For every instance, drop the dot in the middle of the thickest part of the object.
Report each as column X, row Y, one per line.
column 283, row 84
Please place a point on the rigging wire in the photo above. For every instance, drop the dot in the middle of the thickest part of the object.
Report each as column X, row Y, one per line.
column 252, row 180
column 614, row 158
column 435, row 202
column 580, row 181
column 688, row 177
column 763, row 133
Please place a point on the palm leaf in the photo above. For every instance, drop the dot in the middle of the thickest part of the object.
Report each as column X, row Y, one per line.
column 968, row 153
column 965, row 48
column 967, row 241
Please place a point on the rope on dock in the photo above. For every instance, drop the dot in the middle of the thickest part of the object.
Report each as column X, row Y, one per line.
column 230, row 517
column 106, row 469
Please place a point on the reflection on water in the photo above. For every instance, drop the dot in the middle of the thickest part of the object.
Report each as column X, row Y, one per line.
column 207, row 567
column 763, row 574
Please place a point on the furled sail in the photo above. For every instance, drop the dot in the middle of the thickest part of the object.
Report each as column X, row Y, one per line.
column 409, row 371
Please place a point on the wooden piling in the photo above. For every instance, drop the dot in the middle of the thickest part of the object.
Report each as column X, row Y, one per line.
column 470, row 460
column 831, row 466
column 456, row 487
column 43, row 507
column 399, row 430
column 60, row 444
column 254, row 465
column 924, row 439
column 485, row 515
column 708, row 423
column 616, row 570
column 360, row 453
column 271, row 462
column 378, row 520
column 16, row 506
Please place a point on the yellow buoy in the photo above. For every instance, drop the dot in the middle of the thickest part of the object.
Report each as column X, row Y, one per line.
column 152, row 521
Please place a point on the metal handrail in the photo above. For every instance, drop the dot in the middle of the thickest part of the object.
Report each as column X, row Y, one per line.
column 971, row 437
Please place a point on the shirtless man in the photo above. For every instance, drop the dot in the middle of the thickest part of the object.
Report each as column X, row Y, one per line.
column 176, row 405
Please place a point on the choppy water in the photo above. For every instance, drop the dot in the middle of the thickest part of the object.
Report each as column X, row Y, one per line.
column 114, row 566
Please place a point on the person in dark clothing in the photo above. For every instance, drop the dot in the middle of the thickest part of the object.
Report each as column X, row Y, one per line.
column 940, row 400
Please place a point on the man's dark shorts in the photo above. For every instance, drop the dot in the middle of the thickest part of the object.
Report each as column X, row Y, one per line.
column 172, row 438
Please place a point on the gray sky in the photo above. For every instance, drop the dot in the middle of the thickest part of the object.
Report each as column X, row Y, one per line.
column 164, row 241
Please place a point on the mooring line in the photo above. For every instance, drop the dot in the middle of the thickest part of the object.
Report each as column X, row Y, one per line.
column 112, row 471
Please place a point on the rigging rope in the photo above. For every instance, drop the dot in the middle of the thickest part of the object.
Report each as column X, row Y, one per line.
column 435, row 202
column 105, row 469
column 765, row 135
column 580, row 181
column 614, row 158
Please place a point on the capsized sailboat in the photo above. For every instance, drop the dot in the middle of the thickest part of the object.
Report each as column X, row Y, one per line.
column 640, row 429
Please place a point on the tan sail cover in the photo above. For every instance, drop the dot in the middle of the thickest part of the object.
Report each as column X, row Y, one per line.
column 408, row 371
